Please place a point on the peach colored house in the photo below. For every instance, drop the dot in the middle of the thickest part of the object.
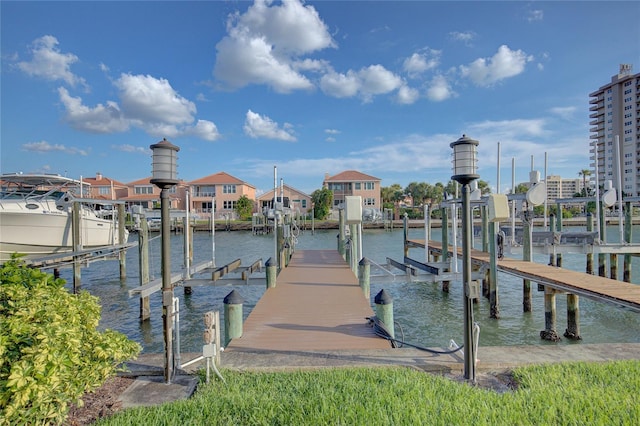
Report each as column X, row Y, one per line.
column 221, row 187
column 297, row 200
column 104, row 188
column 143, row 193
column 352, row 182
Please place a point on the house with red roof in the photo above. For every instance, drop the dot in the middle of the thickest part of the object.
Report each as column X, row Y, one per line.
column 220, row 190
column 352, row 182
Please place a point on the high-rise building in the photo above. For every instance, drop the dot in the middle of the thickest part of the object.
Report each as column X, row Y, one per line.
column 615, row 116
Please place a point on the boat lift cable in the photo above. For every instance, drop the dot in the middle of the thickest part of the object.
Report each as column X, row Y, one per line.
column 381, row 330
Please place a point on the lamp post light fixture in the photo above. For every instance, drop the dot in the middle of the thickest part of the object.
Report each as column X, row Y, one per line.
column 465, row 163
column 164, row 176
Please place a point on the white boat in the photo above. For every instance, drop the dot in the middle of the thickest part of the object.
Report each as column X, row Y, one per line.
column 36, row 217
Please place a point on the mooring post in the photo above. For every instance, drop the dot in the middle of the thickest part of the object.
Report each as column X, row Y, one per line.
column 613, row 259
column 364, row 277
column 552, row 228
column 558, row 237
column 232, row 316
column 445, row 244
column 353, row 264
column 405, row 231
column 602, row 257
column 494, row 310
column 122, row 257
column 143, row 264
column 573, row 317
column 187, row 250
column 590, row 255
column 526, row 256
column 341, row 237
column 272, row 273
column 549, row 333
column 77, row 246
column 628, row 227
column 384, row 310
column 485, row 229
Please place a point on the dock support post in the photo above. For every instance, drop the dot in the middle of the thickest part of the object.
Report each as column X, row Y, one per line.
column 143, row 260
column 485, row 229
column 341, row 237
column 405, row 231
column 589, row 255
column 77, row 246
column 364, row 277
column 559, row 222
column 613, row 259
column 272, row 273
column 232, row 316
column 526, row 256
column 384, row 310
column 353, row 264
column 628, row 226
column 549, row 332
column 602, row 257
column 122, row 257
column 493, row 273
column 573, row 317
column 445, row 245
column 552, row 228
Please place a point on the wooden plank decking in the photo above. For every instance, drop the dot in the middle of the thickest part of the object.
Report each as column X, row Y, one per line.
column 579, row 283
column 317, row 304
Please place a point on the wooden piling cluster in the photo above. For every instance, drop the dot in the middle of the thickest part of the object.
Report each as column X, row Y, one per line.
column 487, row 259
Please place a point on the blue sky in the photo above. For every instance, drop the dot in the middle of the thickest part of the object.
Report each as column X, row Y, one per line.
column 316, row 87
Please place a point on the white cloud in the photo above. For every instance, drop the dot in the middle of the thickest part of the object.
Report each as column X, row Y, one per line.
column 153, row 100
column 418, row 63
column 264, row 46
column 439, row 89
column 511, row 129
column 49, row 63
column 204, row 129
column 535, row 15
column 366, row 83
column 131, row 148
column 260, row 126
column 332, row 131
column 340, row 85
column 564, row 112
column 465, row 36
column 44, row 146
column 330, row 139
column 504, row 64
column 407, row 95
column 100, row 119
column 147, row 103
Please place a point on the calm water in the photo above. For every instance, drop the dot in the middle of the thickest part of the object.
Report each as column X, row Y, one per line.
column 427, row 316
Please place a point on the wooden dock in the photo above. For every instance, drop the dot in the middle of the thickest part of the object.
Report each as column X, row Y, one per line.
column 582, row 284
column 317, row 304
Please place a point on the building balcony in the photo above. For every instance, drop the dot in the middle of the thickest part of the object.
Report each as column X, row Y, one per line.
column 596, row 99
column 597, row 114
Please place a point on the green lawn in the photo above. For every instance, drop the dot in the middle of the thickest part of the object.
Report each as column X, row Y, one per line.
column 561, row 394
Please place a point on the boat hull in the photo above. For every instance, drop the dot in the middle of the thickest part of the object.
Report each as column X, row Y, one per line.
column 47, row 230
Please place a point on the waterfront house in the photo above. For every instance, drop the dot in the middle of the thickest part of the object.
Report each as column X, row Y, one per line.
column 352, row 182
column 224, row 189
column 104, row 188
column 143, row 193
column 296, row 200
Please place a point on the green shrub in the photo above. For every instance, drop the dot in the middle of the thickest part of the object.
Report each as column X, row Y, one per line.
column 51, row 352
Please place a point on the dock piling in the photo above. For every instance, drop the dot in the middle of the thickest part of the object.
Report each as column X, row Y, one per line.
column 232, row 316
column 549, row 332
column 272, row 273
column 364, row 277
column 573, row 318
column 384, row 310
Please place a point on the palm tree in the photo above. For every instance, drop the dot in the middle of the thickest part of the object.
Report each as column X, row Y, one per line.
column 584, row 173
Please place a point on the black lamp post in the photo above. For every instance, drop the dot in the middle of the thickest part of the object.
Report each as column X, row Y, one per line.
column 465, row 164
column 164, row 176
